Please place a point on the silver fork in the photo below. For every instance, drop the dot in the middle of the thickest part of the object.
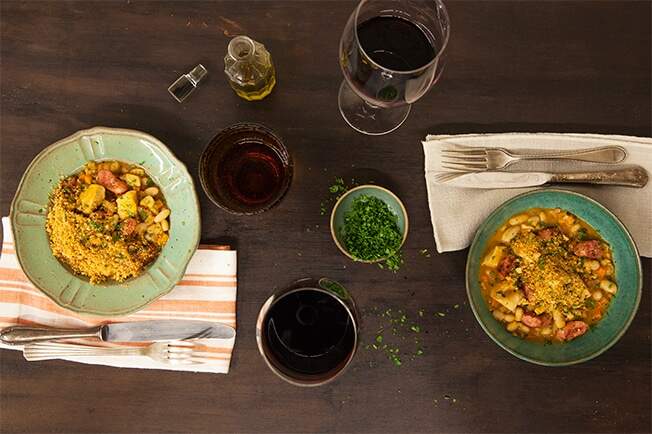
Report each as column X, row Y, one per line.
column 173, row 352
column 473, row 159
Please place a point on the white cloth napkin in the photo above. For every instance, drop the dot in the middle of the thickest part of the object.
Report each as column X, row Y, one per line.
column 206, row 292
column 456, row 212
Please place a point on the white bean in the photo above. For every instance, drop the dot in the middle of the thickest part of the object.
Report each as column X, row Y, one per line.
column 165, row 225
column 512, row 326
column 533, row 221
column 498, row 315
column 524, row 328
column 151, row 191
column 162, row 215
column 518, row 315
column 592, row 265
column 546, row 331
column 510, row 233
column 517, row 220
column 597, row 295
column 559, row 319
column 608, row 286
column 509, row 318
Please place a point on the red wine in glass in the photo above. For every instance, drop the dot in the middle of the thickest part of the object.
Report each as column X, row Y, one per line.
column 390, row 55
column 245, row 169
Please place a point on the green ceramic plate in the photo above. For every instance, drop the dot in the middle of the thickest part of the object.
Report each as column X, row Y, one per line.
column 68, row 156
column 627, row 268
column 344, row 204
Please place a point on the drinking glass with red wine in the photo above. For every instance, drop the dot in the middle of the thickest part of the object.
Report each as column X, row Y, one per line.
column 391, row 55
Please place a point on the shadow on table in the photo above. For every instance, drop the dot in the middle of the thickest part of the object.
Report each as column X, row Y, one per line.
column 166, row 126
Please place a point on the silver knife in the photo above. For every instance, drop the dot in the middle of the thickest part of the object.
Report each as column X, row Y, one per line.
column 635, row 176
column 153, row 330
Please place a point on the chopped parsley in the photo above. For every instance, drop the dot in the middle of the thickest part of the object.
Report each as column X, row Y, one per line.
column 371, row 232
column 95, row 225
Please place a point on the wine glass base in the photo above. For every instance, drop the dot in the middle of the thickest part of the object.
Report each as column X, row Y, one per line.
column 367, row 119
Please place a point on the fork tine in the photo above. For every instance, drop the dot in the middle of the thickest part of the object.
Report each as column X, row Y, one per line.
column 465, row 151
column 464, row 159
column 179, row 350
column 180, row 344
column 463, row 166
column 447, row 176
column 178, row 356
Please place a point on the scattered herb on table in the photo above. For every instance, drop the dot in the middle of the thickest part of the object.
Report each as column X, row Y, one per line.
column 404, row 330
column 371, row 232
column 425, row 253
column 336, row 190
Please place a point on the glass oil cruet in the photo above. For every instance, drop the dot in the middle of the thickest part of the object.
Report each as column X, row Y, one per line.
column 249, row 67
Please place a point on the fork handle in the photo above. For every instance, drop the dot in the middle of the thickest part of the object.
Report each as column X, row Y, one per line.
column 51, row 350
column 605, row 154
column 629, row 177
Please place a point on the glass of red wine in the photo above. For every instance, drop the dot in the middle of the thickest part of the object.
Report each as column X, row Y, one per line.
column 391, row 55
column 246, row 169
column 307, row 333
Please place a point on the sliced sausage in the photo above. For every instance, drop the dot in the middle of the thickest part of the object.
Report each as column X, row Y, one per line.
column 506, row 265
column 572, row 330
column 546, row 319
column 547, row 233
column 127, row 227
column 111, row 182
column 588, row 249
column 531, row 320
column 529, row 292
column 535, row 321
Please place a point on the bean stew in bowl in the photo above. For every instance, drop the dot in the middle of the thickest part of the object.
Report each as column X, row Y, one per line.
column 553, row 277
column 105, row 221
column 108, row 221
column 546, row 275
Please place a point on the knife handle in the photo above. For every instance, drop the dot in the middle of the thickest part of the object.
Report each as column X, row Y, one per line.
column 21, row 335
column 634, row 176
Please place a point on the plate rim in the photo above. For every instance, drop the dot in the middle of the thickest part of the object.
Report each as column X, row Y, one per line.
column 74, row 137
column 639, row 285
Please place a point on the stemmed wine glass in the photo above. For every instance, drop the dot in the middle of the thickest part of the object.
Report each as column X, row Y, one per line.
column 391, row 55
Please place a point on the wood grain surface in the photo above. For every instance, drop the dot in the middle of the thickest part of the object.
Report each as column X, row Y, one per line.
column 566, row 66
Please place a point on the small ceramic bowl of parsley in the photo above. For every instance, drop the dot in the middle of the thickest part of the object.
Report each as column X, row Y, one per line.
column 370, row 224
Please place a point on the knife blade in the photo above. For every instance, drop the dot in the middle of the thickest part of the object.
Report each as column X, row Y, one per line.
column 137, row 331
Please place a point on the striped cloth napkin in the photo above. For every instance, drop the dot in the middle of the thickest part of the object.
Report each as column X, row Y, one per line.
column 207, row 292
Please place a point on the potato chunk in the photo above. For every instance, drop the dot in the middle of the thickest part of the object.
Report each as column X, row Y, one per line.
column 127, row 205
column 493, row 258
column 509, row 299
column 133, row 181
column 91, row 198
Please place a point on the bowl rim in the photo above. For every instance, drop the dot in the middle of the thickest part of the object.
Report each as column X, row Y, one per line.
column 638, row 286
column 74, row 137
column 339, row 202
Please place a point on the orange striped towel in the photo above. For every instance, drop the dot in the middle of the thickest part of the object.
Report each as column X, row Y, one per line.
column 207, row 292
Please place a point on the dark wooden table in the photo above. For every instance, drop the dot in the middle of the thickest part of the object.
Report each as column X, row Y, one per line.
column 512, row 66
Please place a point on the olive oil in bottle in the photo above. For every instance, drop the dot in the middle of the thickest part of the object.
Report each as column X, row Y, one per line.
column 249, row 67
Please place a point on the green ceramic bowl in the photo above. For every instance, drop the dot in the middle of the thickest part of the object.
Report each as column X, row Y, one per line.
column 628, row 277
column 343, row 205
column 67, row 156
